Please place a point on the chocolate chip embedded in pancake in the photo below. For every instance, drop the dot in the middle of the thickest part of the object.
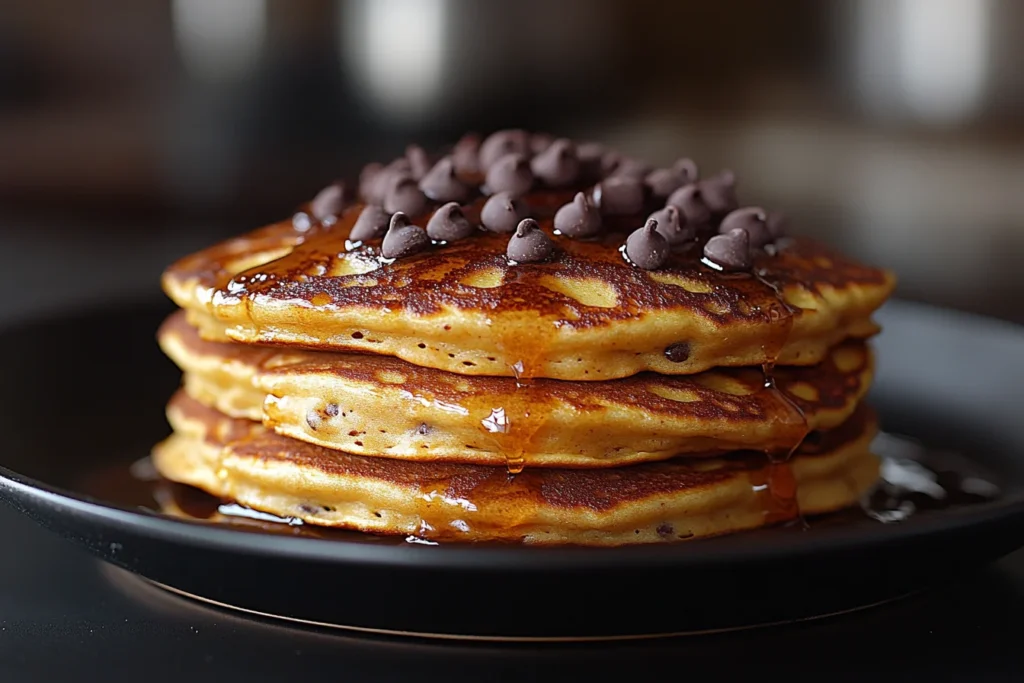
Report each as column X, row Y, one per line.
column 652, row 502
column 382, row 406
column 460, row 304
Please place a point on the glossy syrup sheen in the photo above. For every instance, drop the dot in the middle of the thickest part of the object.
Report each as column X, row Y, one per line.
column 916, row 480
column 315, row 264
column 454, row 499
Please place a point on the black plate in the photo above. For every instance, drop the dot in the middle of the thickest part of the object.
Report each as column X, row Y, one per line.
column 84, row 395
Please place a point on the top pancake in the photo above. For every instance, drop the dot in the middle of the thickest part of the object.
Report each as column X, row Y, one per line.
column 587, row 314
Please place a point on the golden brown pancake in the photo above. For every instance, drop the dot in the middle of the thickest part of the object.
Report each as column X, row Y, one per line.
column 666, row 501
column 378, row 405
column 587, row 314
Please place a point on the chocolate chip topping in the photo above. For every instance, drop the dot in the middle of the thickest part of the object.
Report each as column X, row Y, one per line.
column 673, row 226
column 372, row 223
column 690, row 202
column 632, row 168
column 720, row 193
column 405, row 196
column 776, row 225
column 540, row 142
column 578, row 218
column 610, row 160
column 403, row 238
column 687, row 168
column 503, row 143
column 502, row 212
column 590, row 155
column 647, row 248
column 619, row 195
column 442, row 185
column 376, row 181
column 664, row 181
column 558, row 165
column 449, row 223
column 730, row 251
column 466, row 154
column 678, row 352
column 419, row 161
column 369, row 185
column 330, row 201
column 529, row 244
column 511, row 174
column 751, row 219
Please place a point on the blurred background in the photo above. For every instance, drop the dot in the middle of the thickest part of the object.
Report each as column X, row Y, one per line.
column 134, row 132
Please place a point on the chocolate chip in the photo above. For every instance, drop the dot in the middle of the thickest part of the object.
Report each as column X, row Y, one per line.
column 449, row 224
column 619, row 195
column 466, row 154
column 372, row 223
column 529, row 244
column 511, row 174
column 503, row 143
column 405, row 196
column 678, row 352
column 442, row 185
column 589, row 154
column 380, row 181
column 330, row 201
column 369, row 187
column 687, row 168
column 647, row 248
column 401, row 164
column 664, row 181
column 558, row 165
column 502, row 212
column 610, row 160
column 403, row 238
column 673, row 226
column 777, row 225
column 590, row 151
column 690, row 202
column 751, row 219
column 540, row 142
column 720, row 193
column 419, row 161
column 730, row 251
column 631, row 168
column 578, row 218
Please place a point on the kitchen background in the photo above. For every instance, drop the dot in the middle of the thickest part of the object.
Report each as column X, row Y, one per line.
column 134, row 132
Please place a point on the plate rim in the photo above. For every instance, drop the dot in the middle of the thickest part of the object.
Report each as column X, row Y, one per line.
column 21, row 491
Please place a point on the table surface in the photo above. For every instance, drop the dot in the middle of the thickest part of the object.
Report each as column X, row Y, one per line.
column 65, row 616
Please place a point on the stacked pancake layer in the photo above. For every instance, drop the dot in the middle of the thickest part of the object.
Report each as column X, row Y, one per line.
column 469, row 389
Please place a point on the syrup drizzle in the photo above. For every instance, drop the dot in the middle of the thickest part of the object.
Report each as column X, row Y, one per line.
column 916, row 480
column 779, row 488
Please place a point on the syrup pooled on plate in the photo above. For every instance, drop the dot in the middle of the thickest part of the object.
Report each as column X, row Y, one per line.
column 915, row 481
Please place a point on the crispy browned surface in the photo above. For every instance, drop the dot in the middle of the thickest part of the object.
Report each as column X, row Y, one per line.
column 587, row 314
column 651, row 502
column 379, row 405
column 597, row 489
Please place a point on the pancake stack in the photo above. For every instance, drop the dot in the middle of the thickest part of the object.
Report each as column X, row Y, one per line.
column 525, row 339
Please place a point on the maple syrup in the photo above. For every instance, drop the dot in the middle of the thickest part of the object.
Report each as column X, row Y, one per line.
column 915, row 480
column 779, row 486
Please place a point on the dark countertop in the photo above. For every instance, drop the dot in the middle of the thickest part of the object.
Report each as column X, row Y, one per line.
column 67, row 617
